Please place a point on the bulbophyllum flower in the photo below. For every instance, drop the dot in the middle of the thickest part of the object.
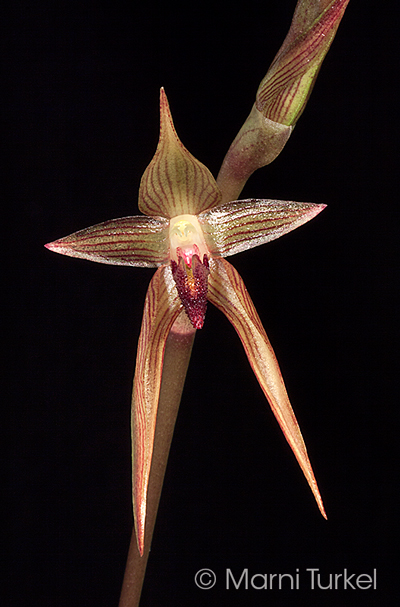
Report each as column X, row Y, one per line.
column 186, row 232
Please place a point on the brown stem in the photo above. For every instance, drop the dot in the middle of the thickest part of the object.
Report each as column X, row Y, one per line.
column 176, row 360
column 258, row 143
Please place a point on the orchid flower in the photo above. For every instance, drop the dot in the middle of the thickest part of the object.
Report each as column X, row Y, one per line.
column 186, row 232
column 190, row 223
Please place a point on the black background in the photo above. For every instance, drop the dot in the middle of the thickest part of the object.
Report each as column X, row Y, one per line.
column 82, row 121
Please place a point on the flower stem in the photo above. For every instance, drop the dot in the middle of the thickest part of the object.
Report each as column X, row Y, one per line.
column 176, row 360
column 258, row 143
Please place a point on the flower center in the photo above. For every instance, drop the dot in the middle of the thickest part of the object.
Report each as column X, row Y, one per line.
column 186, row 239
column 189, row 264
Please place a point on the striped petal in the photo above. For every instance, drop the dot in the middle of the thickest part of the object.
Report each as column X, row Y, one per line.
column 237, row 226
column 161, row 308
column 129, row 241
column 283, row 93
column 175, row 183
column 227, row 292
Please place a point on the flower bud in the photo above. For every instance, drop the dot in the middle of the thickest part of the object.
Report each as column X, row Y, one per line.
column 283, row 93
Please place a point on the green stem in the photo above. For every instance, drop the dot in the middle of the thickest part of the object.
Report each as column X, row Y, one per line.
column 176, row 360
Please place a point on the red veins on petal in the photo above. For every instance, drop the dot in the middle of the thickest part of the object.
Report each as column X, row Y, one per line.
column 191, row 279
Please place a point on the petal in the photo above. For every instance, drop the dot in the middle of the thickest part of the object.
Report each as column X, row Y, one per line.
column 128, row 241
column 283, row 93
column 237, row 226
column 227, row 292
column 191, row 284
column 161, row 309
column 175, row 183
